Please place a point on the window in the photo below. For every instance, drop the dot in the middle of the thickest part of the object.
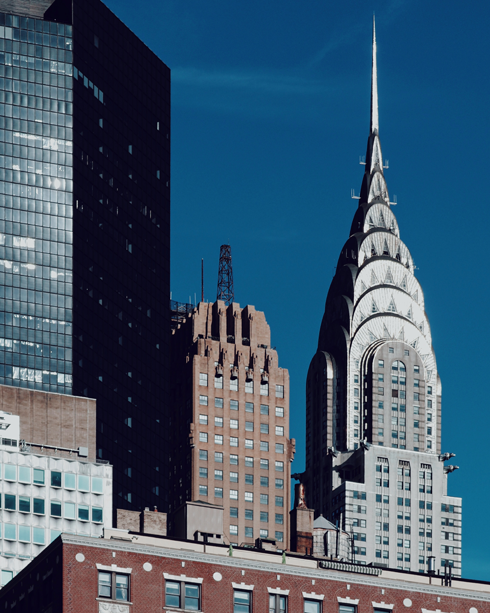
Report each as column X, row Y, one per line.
column 218, row 456
column 249, row 387
column 203, row 419
column 38, row 476
column 312, row 606
column 279, row 430
column 279, row 391
column 203, row 490
column 264, row 428
column 233, row 441
column 234, row 385
column 249, row 514
column 264, row 516
column 233, row 459
column 218, row 383
column 277, row 602
column 381, row 363
column 203, row 437
column 182, row 595
column 249, row 461
column 249, row 496
column 234, row 424
column 9, row 502
column 279, row 501
column 264, row 446
column 264, row 481
column 234, row 529
column 264, row 533
column 242, row 602
column 203, row 400
column 249, row 407
column 218, row 475
column 218, row 422
column 55, row 477
column 279, row 484
column 280, row 466
column 264, row 464
column 279, row 448
column 203, row 472
column 83, row 512
column 218, row 492
column 24, row 504
column 25, row 534
column 264, row 499
column 10, row 532
column 24, row 474
column 218, row 439
column 249, row 479
column 279, row 518
column 234, row 405
column 249, row 443
column 114, row 586
column 233, row 511
column 218, row 403
column 234, row 477
column 38, row 506
column 203, row 379
column 279, row 536
column 55, row 508
column 279, row 411
column 249, row 426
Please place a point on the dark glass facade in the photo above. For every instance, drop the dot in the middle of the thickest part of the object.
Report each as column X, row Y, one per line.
column 84, row 228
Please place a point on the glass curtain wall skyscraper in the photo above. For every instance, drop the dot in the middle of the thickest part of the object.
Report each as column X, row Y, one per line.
column 84, row 226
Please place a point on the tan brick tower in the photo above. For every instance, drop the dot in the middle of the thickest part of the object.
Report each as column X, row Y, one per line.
column 230, row 421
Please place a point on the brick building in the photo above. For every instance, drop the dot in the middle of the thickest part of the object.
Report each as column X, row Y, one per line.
column 230, row 421
column 128, row 572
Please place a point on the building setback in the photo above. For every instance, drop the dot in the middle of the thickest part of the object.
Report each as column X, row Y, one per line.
column 125, row 571
column 231, row 421
column 373, row 395
column 84, row 226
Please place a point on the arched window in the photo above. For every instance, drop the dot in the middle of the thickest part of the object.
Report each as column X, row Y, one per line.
column 398, row 365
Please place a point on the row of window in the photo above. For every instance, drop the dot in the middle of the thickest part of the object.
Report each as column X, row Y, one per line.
column 234, row 425
column 187, row 595
column 36, row 476
column 24, row 504
column 249, row 478
column 249, row 461
column 234, row 406
column 249, row 385
column 249, row 443
column 400, row 407
column 264, row 515
column 248, row 496
column 249, row 533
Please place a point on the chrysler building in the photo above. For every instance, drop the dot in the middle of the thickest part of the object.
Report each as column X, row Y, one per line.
column 374, row 460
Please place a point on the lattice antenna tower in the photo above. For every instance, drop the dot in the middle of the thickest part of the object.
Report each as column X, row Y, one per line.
column 225, row 275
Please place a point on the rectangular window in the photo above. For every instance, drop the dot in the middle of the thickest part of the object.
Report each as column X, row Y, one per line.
column 249, row 387
column 279, row 391
column 279, row 501
column 233, row 441
column 249, row 407
column 277, row 602
column 249, row 426
column 38, row 476
column 249, row 461
column 218, row 383
column 203, row 437
column 279, row 518
column 218, row 475
column 279, row 430
column 264, row 499
column 203, row 419
column 218, row 422
column 249, row 514
column 114, row 586
column 279, row 448
column 264, row 464
column 234, row 405
column 218, row 403
column 218, row 492
column 218, row 457
column 38, row 504
column 279, row 466
column 203, row 379
column 249, row 532
column 234, row 385
column 249, row 443
column 203, row 490
column 249, row 479
column 233, row 424
column 83, row 512
column 24, row 474
column 264, row 517
column 233, row 511
column 249, row 496
column 203, row 400
column 279, row 484
column 313, row 606
column 218, row 439
column 203, row 472
column 234, row 477
column 233, row 459
column 10, row 503
column 203, row 455
column 182, row 595
column 264, row 389
column 264, row 428
column 242, row 601
column 279, row 411
column 264, row 481
column 24, row 504
column 70, row 481
column 234, row 529
column 264, row 446
column 233, row 494
column 55, row 477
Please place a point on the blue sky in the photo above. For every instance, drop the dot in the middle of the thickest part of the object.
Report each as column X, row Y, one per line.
column 270, row 113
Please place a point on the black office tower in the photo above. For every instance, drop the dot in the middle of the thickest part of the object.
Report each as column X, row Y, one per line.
column 84, row 227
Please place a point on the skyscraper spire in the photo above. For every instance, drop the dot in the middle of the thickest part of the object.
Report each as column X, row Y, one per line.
column 374, row 86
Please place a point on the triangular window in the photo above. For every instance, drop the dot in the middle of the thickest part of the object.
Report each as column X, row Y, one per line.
column 373, row 250
column 403, row 284
column 389, row 276
column 374, row 278
column 386, row 251
column 409, row 314
column 392, row 306
column 374, row 307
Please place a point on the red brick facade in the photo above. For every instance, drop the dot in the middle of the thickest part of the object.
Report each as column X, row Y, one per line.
column 146, row 559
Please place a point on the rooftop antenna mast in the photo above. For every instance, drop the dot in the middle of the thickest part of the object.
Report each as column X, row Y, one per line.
column 225, row 275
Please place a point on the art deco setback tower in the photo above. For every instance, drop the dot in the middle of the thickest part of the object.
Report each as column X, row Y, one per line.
column 230, row 426
column 84, row 226
column 373, row 395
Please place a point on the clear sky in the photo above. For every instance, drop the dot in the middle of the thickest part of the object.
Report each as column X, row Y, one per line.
column 270, row 113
